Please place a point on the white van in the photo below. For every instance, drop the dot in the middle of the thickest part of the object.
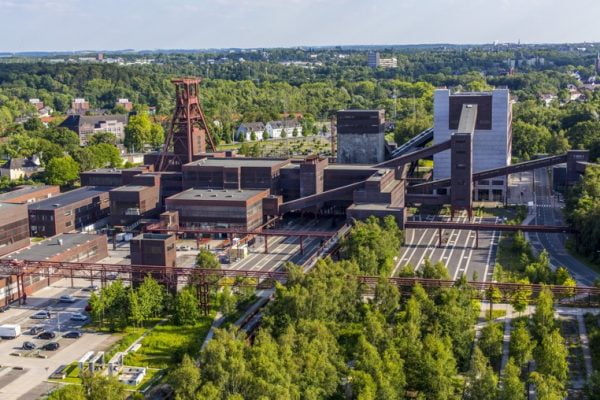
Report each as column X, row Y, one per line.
column 10, row 331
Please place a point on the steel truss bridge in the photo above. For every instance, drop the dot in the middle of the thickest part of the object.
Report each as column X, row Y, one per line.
column 204, row 279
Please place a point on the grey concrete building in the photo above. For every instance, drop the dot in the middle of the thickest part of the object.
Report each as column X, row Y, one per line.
column 492, row 139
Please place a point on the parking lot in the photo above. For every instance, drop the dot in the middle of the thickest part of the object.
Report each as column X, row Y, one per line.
column 23, row 372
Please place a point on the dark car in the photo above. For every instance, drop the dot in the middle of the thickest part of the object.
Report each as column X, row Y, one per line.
column 29, row 346
column 34, row 330
column 51, row 346
column 91, row 288
column 47, row 335
column 73, row 335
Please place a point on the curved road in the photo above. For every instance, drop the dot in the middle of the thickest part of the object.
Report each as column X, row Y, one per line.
column 548, row 212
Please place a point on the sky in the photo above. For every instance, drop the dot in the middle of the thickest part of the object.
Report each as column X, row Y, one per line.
column 71, row 25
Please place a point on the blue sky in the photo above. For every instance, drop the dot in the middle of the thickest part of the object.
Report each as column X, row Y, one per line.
column 46, row 25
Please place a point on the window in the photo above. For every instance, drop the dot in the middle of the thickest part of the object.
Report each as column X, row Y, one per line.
column 498, row 183
column 68, row 224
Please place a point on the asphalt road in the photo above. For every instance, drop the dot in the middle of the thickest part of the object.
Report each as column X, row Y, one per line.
column 457, row 251
column 283, row 249
column 548, row 212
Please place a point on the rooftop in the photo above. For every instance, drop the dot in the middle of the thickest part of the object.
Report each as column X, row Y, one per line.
column 50, row 247
column 153, row 236
column 212, row 194
column 238, row 162
column 130, row 188
column 22, row 190
column 70, row 197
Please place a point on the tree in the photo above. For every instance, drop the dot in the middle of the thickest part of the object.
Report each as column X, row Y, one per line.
column 438, row 368
column 283, row 133
column 62, row 171
column 207, row 260
column 137, row 132
column 512, row 387
column 100, row 387
column 253, row 136
column 529, row 139
column 67, row 392
column 185, row 379
column 543, row 317
column 265, row 135
column 387, row 297
column 491, row 341
column 521, row 345
column 152, row 297
column 482, row 382
column 102, row 137
column 434, row 270
column 593, row 386
column 226, row 301
column 520, row 298
column 494, row 295
column 547, row 387
column 135, row 307
column 186, row 310
column 157, row 135
column 551, row 356
column 295, row 132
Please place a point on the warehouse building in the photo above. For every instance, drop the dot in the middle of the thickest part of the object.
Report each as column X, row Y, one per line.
column 225, row 208
column 70, row 247
column 84, row 208
column 14, row 227
column 29, row 194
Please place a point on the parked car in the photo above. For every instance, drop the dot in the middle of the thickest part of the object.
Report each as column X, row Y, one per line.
column 51, row 346
column 91, row 288
column 73, row 335
column 34, row 330
column 29, row 346
column 67, row 299
column 78, row 317
column 112, row 276
column 47, row 335
column 42, row 314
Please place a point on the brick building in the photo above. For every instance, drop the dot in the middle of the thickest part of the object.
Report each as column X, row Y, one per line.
column 14, row 227
column 29, row 194
column 80, row 209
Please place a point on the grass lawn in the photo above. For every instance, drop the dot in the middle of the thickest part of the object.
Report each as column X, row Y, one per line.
column 164, row 341
column 515, row 214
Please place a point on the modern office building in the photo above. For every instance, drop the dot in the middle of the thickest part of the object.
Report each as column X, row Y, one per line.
column 81, row 209
column 87, row 125
column 492, row 139
column 360, row 136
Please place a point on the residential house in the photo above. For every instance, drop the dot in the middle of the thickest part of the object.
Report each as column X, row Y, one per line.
column 276, row 128
column 17, row 168
column 37, row 103
column 548, row 98
column 80, row 106
column 246, row 130
column 87, row 125
column 125, row 103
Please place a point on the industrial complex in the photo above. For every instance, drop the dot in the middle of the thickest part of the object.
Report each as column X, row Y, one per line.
column 189, row 190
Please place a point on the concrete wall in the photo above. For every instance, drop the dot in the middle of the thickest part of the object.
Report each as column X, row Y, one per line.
column 365, row 148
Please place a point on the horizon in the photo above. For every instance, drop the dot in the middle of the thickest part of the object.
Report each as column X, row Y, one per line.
column 154, row 25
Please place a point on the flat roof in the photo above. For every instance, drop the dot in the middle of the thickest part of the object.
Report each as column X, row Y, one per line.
column 130, row 188
column 69, row 197
column 238, row 162
column 22, row 191
column 216, row 194
column 351, row 166
column 50, row 247
column 153, row 236
column 104, row 171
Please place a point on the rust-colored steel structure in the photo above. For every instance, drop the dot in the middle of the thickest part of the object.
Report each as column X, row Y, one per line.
column 206, row 278
column 188, row 133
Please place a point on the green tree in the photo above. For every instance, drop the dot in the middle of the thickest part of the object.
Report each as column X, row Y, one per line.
column 62, row 171
column 512, row 387
column 551, row 357
column 102, row 137
column 265, row 135
column 152, row 297
column 387, row 297
column 438, row 368
column 491, row 341
column 521, row 345
column 185, row 379
column 494, row 295
column 186, row 310
column 207, row 260
column 68, row 392
column 135, row 308
column 482, row 382
column 520, row 297
column 100, row 387
column 157, row 135
column 227, row 301
column 547, row 387
column 137, row 132
column 543, row 317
